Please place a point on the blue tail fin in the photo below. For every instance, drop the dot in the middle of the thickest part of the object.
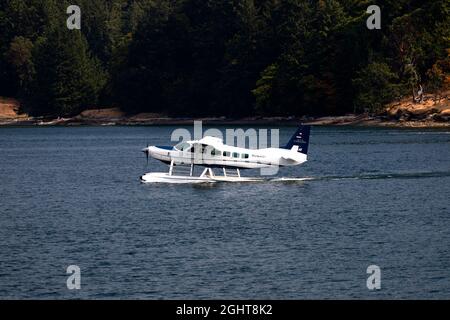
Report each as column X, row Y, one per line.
column 300, row 139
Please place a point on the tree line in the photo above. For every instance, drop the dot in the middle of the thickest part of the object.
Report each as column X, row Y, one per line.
column 229, row 58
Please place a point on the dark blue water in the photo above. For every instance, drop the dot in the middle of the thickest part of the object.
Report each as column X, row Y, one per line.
column 73, row 196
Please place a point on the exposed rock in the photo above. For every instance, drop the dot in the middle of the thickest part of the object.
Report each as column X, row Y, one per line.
column 146, row 116
column 444, row 115
column 9, row 109
column 402, row 113
column 100, row 114
column 405, row 110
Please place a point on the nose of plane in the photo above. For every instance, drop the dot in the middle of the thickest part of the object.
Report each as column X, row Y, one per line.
column 152, row 150
column 149, row 152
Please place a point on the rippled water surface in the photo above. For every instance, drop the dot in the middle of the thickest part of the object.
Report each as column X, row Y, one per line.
column 374, row 196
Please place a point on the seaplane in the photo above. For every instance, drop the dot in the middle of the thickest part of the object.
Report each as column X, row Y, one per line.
column 210, row 153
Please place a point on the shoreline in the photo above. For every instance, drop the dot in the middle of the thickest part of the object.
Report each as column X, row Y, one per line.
column 399, row 114
column 347, row 120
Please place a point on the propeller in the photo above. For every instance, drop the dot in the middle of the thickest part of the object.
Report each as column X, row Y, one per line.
column 146, row 153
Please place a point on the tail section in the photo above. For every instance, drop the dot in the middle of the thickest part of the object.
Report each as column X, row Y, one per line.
column 300, row 140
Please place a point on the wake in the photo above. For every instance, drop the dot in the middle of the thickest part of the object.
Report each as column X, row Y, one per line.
column 378, row 176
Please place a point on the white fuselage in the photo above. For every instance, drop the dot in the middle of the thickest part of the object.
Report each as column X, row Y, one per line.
column 211, row 152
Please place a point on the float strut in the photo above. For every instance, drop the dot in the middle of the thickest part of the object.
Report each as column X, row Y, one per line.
column 171, row 168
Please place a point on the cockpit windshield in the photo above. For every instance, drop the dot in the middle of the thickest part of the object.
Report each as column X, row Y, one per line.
column 183, row 146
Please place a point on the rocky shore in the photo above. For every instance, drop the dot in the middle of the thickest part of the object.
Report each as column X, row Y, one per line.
column 404, row 113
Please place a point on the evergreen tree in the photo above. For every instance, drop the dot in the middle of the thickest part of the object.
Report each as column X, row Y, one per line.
column 68, row 80
column 375, row 86
column 215, row 57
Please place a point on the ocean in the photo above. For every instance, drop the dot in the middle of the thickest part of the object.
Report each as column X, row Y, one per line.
column 72, row 196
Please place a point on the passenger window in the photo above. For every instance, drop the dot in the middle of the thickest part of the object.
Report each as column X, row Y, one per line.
column 235, row 155
column 245, row 155
column 226, row 154
column 215, row 152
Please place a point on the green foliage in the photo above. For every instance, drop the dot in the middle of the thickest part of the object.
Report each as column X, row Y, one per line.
column 215, row 57
column 19, row 56
column 439, row 76
column 264, row 89
column 375, row 86
column 68, row 80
